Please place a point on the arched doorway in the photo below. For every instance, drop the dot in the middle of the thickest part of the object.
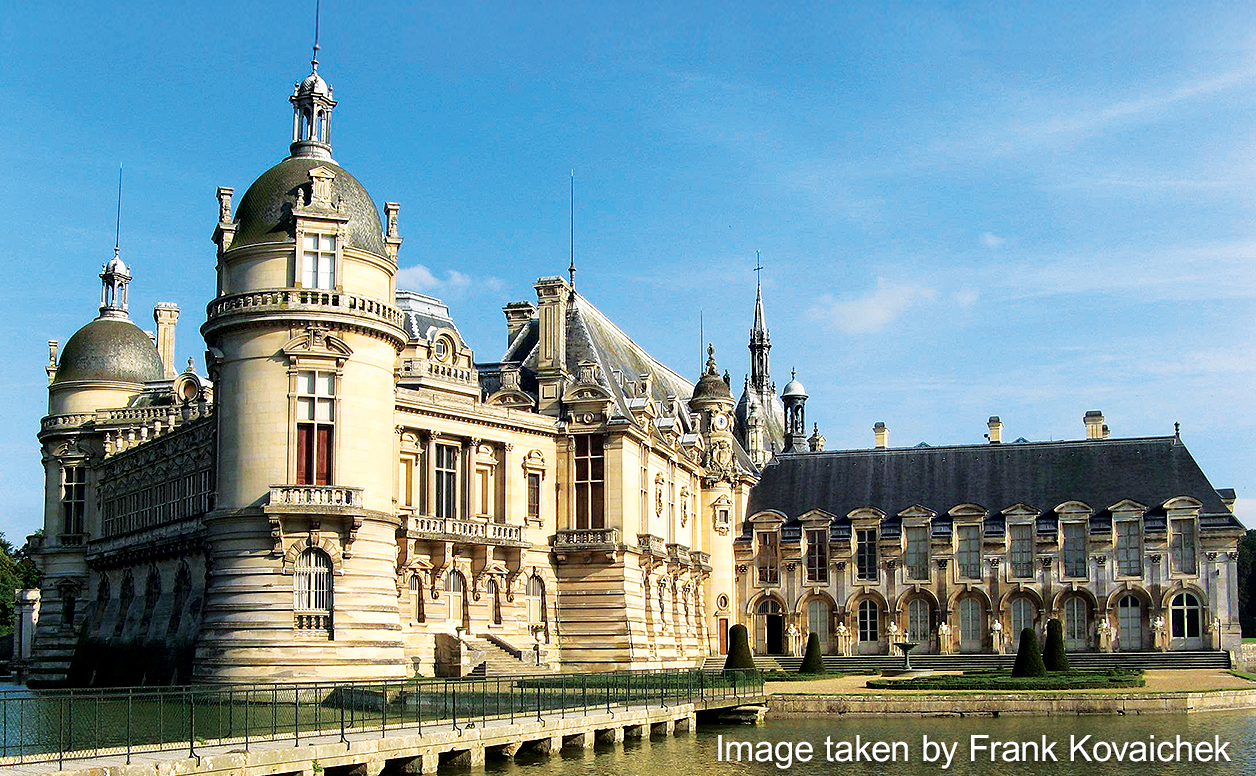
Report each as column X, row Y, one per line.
column 972, row 624
column 1024, row 613
column 1186, row 628
column 1129, row 616
column 1076, row 624
column 869, row 628
column 455, row 598
column 919, row 625
column 770, row 628
column 819, row 615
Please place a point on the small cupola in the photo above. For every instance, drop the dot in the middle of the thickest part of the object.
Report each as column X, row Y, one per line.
column 312, row 104
column 114, row 280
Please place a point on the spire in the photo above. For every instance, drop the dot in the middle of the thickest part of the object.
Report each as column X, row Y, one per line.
column 312, row 105
column 114, row 276
column 571, row 270
column 760, row 341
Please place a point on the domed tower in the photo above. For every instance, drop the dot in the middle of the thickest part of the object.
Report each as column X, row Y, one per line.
column 795, row 399
column 103, row 366
column 302, row 340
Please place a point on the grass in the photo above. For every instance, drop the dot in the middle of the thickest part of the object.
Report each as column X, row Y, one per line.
column 1003, row 680
column 1249, row 676
column 794, row 676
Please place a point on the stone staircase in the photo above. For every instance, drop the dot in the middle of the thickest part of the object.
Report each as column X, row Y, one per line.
column 498, row 661
column 1090, row 660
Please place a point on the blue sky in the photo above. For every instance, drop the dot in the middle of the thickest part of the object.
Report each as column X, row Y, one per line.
column 1029, row 210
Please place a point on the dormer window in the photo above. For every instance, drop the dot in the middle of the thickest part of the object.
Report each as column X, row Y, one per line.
column 1182, row 553
column 769, row 572
column 1129, row 548
column 441, row 350
column 318, row 261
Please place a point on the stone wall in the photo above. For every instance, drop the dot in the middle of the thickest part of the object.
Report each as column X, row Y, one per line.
column 1011, row 704
column 1243, row 657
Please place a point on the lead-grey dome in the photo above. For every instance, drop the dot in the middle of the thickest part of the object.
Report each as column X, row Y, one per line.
column 265, row 211
column 109, row 349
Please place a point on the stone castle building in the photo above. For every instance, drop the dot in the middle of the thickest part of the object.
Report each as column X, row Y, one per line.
column 349, row 494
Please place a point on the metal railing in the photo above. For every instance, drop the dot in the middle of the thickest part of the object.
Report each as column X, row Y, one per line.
column 61, row 725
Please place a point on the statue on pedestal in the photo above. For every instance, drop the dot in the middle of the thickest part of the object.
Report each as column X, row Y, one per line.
column 1107, row 636
column 997, row 640
column 1160, row 634
column 843, row 639
column 894, row 634
column 944, row 639
column 794, row 639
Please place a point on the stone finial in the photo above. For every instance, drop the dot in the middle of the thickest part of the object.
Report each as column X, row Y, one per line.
column 390, row 217
column 881, row 435
column 52, row 352
column 224, row 204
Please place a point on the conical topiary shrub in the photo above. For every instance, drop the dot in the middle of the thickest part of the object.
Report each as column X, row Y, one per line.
column 1028, row 657
column 1054, row 656
column 812, row 662
column 738, row 649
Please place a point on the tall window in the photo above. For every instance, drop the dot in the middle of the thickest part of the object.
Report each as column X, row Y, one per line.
column 318, row 261
column 73, row 498
column 416, row 598
column 971, row 624
column 818, row 556
column 311, row 582
column 455, row 596
column 866, row 554
column 1184, row 616
column 769, row 573
column 1076, row 623
column 1075, row 549
column 969, row 551
column 484, row 490
column 918, row 629
column 494, row 601
column 818, row 621
column 644, row 505
column 869, row 613
column 590, row 481
column 1022, row 540
column 1129, row 548
column 405, row 481
column 447, row 481
column 1182, row 549
column 534, row 495
column 918, row 552
column 1023, row 611
column 536, row 600
column 316, row 407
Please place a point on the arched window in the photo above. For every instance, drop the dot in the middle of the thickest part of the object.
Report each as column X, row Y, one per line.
column 455, row 593
column 67, row 610
column 416, row 597
column 536, row 600
column 769, row 606
column 971, row 625
column 494, row 601
column 918, row 621
column 869, row 616
column 818, row 618
column 1129, row 612
column 1076, row 625
column 1184, row 616
column 1023, row 613
column 311, row 582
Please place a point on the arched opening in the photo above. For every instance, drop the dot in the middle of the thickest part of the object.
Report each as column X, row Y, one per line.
column 770, row 628
column 1130, row 616
column 536, row 603
column 1076, row 623
column 494, row 602
column 919, row 622
column 456, row 597
column 312, row 590
column 1024, row 615
column 819, row 615
column 416, row 598
column 1186, row 628
column 869, row 626
column 972, row 624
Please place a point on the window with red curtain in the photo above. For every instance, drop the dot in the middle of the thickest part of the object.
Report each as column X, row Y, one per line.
column 315, row 427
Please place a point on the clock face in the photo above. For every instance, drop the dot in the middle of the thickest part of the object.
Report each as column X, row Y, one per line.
column 721, row 422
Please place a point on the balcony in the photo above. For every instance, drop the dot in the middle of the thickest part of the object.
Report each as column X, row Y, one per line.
column 314, row 499
column 422, row 368
column 590, row 543
column 447, row 529
column 701, row 559
column 280, row 302
column 678, row 554
column 652, row 545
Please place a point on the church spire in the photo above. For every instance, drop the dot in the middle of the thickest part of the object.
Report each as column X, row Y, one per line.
column 312, row 105
column 760, row 341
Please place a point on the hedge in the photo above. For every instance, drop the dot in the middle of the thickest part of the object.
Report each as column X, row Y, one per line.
column 1003, row 680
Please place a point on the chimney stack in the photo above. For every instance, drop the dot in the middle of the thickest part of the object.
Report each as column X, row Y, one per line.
column 517, row 316
column 166, row 314
column 1095, row 429
column 882, row 435
column 996, row 430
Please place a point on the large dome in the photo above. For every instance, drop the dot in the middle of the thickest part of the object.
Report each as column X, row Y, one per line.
column 109, row 349
column 265, row 211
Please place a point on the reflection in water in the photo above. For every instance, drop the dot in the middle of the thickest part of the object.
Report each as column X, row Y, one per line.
column 695, row 755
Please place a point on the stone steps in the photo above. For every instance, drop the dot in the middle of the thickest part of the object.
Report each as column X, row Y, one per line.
column 497, row 661
column 1090, row 660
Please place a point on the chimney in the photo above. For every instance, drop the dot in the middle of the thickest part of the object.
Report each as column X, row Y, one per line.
column 517, row 316
column 1094, row 425
column 165, row 314
column 996, row 430
column 882, row 435
column 553, row 297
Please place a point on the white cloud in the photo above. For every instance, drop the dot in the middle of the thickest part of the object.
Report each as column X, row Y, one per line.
column 420, row 278
column 992, row 240
column 966, row 297
column 873, row 311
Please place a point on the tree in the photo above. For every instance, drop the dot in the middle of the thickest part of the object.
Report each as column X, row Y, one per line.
column 812, row 662
column 17, row 572
column 1028, row 657
column 1054, row 656
column 1247, row 584
column 739, row 656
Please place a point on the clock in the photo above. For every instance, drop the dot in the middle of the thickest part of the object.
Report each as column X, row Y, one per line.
column 720, row 421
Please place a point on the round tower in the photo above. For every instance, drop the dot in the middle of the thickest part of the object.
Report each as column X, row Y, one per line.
column 302, row 340
column 795, row 399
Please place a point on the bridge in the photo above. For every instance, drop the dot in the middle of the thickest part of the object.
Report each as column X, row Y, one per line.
column 351, row 729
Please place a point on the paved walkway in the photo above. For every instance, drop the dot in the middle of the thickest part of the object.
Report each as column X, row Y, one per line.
column 1157, row 681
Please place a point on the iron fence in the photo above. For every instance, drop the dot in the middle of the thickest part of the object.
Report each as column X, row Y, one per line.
column 60, row 725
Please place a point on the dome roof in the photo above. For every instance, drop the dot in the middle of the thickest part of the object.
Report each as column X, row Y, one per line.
column 314, row 84
column 265, row 211
column 711, row 386
column 109, row 349
column 793, row 387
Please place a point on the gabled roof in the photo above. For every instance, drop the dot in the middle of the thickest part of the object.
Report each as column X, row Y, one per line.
column 1043, row 475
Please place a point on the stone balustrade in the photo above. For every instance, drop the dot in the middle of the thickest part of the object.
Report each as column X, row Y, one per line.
column 471, row 531
column 419, row 367
column 678, row 553
column 305, row 300
column 317, row 622
column 587, row 537
column 700, row 559
column 315, row 496
column 652, row 545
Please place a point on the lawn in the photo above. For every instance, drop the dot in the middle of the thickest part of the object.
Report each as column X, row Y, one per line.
column 1003, row 680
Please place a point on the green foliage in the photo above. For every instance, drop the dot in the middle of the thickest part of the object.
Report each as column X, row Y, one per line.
column 1054, row 656
column 17, row 572
column 739, row 656
column 1247, row 583
column 1249, row 676
column 812, row 662
column 1028, row 658
column 1002, row 680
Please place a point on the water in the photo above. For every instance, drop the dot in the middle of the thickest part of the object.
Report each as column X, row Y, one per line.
column 695, row 755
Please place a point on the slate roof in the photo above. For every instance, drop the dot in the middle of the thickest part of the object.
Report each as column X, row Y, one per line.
column 1149, row 470
column 112, row 349
column 424, row 315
